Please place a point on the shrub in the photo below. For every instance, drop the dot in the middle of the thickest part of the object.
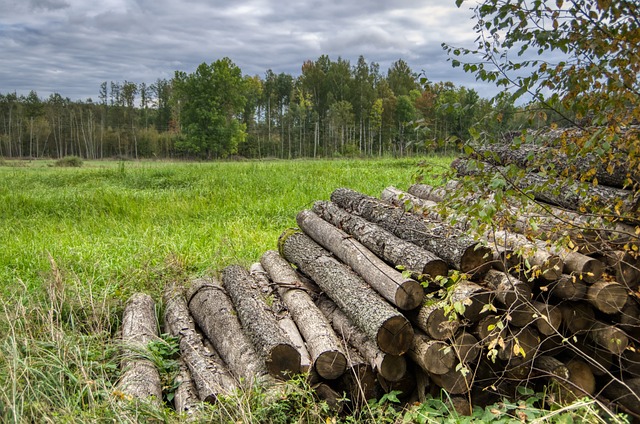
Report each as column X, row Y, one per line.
column 69, row 162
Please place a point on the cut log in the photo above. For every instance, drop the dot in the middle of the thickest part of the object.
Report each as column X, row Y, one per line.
column 380, row 321
column 577, row 316
column 285, row 321
column 625, row 266
column 335, row 401
column 607, row 296
column 521, row 343
column 454, row 382
column 549, row 318
column 569, row 194
column 383, row 243
column 509, row 290
column 359, row 380
column 214, row 313
column 405, row 385
column 185, row 398
column 140, row 378
column 505, row 259
column 566, row 288
column 551, row 367
column 431, row 319
column 472, row 296
column 433, row 356
column 324, row 346
column 390, row 367
column 467, row 348
column 427, row 192
column 629, row 319
column 600, row 360
column 405, row 293
column 581, row 381
column 210, row 375
column 608, row 337
column 542, row 263
column 625, row 393
column 460, row 251
column 280, row 356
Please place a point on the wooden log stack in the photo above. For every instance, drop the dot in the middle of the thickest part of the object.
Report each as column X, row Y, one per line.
column 370, row 296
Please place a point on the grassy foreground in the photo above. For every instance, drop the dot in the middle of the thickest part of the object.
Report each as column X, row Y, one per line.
column 76, row 242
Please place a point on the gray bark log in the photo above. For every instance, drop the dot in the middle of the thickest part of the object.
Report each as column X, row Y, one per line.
column 405, row 293
column 542, row 263
column 459, row 250
column 140, row 378
column 431, row 319
column 509, row 290
column 608, row 337
column 383, row 243
column 390, row 367
column 328, row 358
column 379, row 320
column 185, row 398
column 214, row 313
column 433, row 356
column 607, row 296
column 282, row 314
column 209, row 373
column 280, row 356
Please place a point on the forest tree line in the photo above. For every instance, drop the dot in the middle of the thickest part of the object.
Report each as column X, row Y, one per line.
column 331, row 109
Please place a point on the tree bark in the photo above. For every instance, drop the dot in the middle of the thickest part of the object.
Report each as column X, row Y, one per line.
column 214, row 313
column 359, row 380
column 383, row 243
column 433, row 356
column 282, row 314
column 390, row 367
column 185, row 398
column 509, row 290
column 280, row 356
column 381, row 322
column 431, row 319
column 210, row 375
column 328, row 358
column 608, row 337
column 140, row 378
column 405, row 293
column 551, row 367
column 607, row 296
column 459, row 250
column 427, row 192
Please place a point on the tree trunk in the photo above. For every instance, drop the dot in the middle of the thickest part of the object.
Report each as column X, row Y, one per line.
column 282, row 314
column 607, row 296
column 324, row 346
column 405, row 293
column 185, row 398
column 431, row 319
column 581, row 381
column 383, row 243
column 359, row 380
column 459, row 250
column 433, row 356
column 381, row 322
column 209, row 373
column 140, row 378
column 390, row 367
column 551, row 367
column 215, row 315
column 280, row 356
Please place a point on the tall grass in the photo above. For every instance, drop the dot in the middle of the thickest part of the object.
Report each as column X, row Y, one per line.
column 76, row 242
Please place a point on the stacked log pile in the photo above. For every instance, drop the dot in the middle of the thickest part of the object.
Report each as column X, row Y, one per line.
column 384, row 294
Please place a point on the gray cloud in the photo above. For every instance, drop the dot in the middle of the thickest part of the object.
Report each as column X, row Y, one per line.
column 71, row 46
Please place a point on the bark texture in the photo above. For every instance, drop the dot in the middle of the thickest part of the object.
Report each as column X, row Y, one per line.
column 607, row 296
column 460, row 251
column 383, row 243
column 214, row 313
column 390, row 367
column 327, row 355
column 185, row 398
column 209, row 373
column 405, row 293
column 368, row 310
column 280, row 356
column 140, row 378
column 433, row 356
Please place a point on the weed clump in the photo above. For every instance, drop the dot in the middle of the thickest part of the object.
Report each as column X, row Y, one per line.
column 69, row 162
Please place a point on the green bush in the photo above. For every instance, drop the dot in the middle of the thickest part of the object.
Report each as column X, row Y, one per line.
column 69, row 162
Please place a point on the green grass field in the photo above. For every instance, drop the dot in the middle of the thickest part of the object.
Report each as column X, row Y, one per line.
column 75, row 243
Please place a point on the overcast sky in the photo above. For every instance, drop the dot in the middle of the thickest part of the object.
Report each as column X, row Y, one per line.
column 71, row 46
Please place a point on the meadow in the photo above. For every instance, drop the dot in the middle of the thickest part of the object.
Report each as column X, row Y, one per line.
column 75, row 243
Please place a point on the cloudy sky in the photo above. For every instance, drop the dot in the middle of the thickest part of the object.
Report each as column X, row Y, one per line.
column 71, row 46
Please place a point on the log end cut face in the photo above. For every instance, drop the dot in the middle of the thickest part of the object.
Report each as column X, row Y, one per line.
column 395, row 335
column 393, row 367
column 284, row 361
column 331, row 364
column 409, row 295
column 476, row 259
column 436, row 268
column 551, row 269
